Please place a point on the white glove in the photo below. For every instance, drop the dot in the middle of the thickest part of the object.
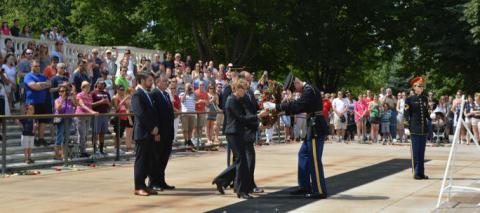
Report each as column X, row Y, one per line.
column 269, row 105
column 407, row 131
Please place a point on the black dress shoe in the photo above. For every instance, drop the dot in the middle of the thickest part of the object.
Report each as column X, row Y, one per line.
column 151, row 191
column 244, row 196
column 156, row 188
column 300, row 191
column 257, row 190
column 315, row 196
column 167, row 187
column 220, row 188
column 420, row 177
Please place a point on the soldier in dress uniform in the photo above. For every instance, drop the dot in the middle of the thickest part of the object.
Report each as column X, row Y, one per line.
column 311, row 179
column 416, row 114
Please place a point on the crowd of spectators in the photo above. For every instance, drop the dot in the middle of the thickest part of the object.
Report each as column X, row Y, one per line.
column 379, row 117
column 52, row 34
column 38, row 82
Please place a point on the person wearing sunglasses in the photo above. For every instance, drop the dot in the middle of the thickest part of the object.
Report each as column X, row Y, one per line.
column 416, row 113
column 36, row 91
column 63, row 105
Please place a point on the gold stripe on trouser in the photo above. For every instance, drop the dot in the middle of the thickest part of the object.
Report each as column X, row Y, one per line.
column 411, row 157
column 231, row 156
column 317, row 179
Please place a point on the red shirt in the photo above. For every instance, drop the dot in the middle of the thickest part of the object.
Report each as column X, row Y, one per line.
column 50, row 71
column 200, row 107
column 97, row 96
column 176, row 102
column 327, row 106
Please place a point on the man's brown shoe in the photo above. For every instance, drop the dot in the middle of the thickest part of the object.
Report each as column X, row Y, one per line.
column 141, row 192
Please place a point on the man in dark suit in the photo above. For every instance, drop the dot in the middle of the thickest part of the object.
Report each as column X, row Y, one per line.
column 163, row 145
column 144, row 130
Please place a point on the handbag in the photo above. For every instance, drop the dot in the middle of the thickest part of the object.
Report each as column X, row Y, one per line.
column 57, row 120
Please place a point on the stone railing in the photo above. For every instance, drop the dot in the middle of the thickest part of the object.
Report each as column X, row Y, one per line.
column 71, row 50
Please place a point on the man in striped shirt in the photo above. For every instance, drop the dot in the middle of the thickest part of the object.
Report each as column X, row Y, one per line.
column 188, row 100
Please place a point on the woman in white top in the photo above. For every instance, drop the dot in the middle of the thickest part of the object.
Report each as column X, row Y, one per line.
column 475, row 116
column 400, row 109
column 4, row 83
column 10, row 70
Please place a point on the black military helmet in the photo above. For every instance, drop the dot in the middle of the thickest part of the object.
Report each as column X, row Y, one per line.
column 288, row 84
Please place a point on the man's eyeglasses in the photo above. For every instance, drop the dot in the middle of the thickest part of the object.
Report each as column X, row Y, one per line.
column 29, row 53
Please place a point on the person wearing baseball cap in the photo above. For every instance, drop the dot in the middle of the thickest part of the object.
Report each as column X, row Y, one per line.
column 417, row 116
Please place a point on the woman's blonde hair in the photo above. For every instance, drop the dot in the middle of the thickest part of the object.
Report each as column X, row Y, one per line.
column 239, row 84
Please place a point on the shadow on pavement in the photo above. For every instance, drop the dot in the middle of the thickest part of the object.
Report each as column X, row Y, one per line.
column 282, row 201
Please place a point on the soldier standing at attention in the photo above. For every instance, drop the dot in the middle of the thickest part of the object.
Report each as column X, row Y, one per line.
column 416, row 113
column 311, row 179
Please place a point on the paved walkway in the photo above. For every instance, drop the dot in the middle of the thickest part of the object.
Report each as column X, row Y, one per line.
column 361, row 178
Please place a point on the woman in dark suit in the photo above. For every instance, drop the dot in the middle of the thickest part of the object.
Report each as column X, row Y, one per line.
column 237, row 121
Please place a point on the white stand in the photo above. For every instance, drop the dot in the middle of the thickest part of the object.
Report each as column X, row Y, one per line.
column 449, row 170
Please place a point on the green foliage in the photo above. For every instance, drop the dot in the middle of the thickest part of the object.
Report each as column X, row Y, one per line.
column 336, row 44
column 472, row 17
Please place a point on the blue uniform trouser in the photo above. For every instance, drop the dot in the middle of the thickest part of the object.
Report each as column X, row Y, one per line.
column 418, row 150
column 310, row 167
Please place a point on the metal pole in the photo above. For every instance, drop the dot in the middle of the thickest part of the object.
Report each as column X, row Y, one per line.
column 94, row 158
column 4, row 147
column 66, row 139
column 448, row 168
column 117, row 139
column 277, row 125
column 198, row 130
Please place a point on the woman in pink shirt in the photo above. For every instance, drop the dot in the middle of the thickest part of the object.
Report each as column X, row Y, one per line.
column 84, row 106
column 360, row 108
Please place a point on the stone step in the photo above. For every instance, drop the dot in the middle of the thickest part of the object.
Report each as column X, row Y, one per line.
column 15, row 154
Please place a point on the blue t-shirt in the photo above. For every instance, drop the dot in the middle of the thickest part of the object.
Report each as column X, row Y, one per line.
column 197, row 82
column 169, row 64
column 27, row 125
column 35, row 96
column 78, row 78
column 59, row 55
column 96, row 71
column 386, row 116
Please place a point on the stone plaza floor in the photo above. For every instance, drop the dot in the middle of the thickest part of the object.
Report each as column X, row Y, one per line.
column 360, row 178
